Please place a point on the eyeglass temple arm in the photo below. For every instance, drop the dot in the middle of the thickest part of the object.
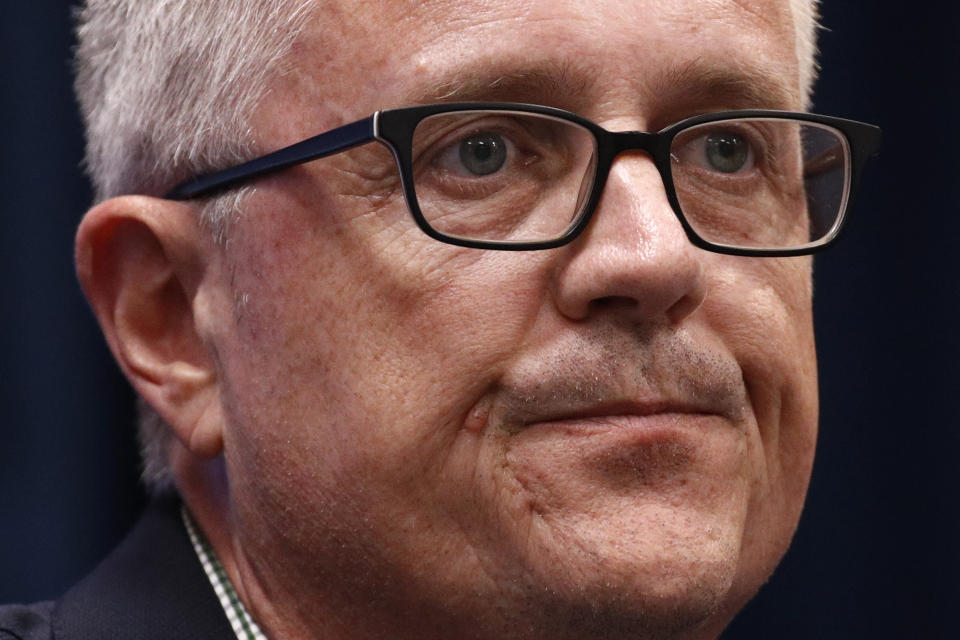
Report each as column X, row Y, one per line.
column 325, row 144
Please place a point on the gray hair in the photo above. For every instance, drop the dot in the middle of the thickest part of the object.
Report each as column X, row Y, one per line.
column 805, row 16
column 167, row 89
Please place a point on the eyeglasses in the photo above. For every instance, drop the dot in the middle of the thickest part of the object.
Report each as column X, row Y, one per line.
column 522, row 177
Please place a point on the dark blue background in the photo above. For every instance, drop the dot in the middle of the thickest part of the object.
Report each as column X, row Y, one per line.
column 876, row 552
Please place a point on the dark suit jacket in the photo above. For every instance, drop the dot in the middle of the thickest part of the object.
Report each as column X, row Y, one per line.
column 151, row 587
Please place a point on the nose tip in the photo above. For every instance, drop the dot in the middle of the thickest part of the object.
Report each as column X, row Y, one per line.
column 634, row 260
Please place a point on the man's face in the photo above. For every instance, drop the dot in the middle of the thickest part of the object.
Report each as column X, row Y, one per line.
column 603, row 438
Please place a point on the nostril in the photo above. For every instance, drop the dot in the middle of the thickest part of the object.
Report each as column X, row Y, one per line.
column 684, row 307
column 612, row 303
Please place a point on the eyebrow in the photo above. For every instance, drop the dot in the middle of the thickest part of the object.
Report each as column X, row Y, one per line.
column 697, row 85
column 487, row 80
column 738, row 84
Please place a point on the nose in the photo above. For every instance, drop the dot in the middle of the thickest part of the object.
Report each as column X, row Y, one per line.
column 634, row 259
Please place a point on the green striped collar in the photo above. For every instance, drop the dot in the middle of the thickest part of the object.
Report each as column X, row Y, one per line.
column 243, row 625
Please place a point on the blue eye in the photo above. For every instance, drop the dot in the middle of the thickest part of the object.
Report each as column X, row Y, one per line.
column 483, row 153
column 726, row 151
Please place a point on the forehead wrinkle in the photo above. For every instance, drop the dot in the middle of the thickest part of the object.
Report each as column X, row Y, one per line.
column 559, row 78
column 699, row 84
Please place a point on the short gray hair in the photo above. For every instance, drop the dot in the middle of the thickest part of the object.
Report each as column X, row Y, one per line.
column 167, row 89
column 806, row 14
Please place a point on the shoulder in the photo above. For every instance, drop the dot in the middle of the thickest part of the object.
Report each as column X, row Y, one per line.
column 152, row 587
column 25, row 621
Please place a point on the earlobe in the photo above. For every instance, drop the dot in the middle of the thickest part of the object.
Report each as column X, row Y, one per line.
column 142, row 263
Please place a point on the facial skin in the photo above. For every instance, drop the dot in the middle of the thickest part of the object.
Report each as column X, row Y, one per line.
column 610, row 439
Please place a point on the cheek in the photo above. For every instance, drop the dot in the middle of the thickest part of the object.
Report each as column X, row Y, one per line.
column 347, row 378
column 766, row 316
column 362, row 349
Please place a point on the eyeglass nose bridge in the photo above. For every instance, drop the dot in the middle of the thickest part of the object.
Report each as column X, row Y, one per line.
column 621, row 141
column 656, row 145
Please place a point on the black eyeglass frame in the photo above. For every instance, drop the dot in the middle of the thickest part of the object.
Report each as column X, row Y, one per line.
column 395, row 127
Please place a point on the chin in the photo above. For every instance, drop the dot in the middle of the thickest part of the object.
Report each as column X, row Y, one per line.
column 656, row 556
column 605, row 606
column 653, row 572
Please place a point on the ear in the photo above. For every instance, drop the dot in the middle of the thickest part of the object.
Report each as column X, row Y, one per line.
column 143, row 263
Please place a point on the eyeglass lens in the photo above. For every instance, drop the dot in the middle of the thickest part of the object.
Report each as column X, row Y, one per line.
column 521, row 177
column 761, row 183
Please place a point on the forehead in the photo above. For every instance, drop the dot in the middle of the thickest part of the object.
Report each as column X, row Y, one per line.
column 584, row 55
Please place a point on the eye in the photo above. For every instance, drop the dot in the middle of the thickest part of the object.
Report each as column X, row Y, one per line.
column 722, row 151
column 483, row 153
column 476, row 155
column 727, row 152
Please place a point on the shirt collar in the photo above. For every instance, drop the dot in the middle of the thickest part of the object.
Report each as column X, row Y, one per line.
column 243, row 625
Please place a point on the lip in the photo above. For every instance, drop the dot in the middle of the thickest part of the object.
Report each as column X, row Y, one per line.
column 617, row 450
column 646, row 421
column 624, row 410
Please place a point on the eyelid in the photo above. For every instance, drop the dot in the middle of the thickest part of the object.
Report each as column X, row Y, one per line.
column 447, row 138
